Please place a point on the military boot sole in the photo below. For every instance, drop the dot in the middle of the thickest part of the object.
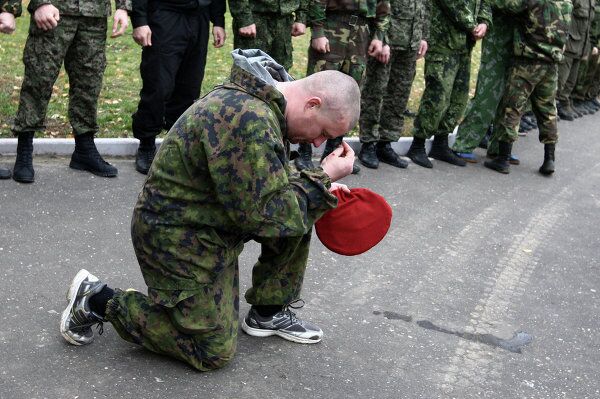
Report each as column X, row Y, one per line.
column 547, row 170
column 453, row 160
column 419, row 160
column 504, row 169
column 82, row 166
column 398, row 163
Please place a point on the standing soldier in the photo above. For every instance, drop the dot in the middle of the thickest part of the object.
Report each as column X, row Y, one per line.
column 538, row 47
column 387, row 84
column 455, row 27
column 577, row 46
column 340, row 40
column 9, row 10
column 73, row 32
column 582, row 94
column 268, row 25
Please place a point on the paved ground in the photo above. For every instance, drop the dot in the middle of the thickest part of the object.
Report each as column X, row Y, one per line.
column 487, row 286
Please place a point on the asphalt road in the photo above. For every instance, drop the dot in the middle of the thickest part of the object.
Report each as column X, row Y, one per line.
column 487, row 286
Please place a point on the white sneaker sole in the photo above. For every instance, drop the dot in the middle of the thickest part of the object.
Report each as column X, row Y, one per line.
column 259, row 332
column 71, row 295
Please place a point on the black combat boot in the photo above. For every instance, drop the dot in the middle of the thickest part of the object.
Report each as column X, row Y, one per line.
column 331, row 145
column 23, row 170
column 417, row 153
column 547, row 167
column 564, row 111
column 367, row 155
column 304, row 160
column 4, row 173
column 144, row 155
column 441, row 151
column 386, row 154
column 500, row 163
column 86, row 157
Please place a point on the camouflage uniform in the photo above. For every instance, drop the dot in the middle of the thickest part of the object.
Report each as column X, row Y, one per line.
column 387, row 86
column 274, row 20
column 220, row 178
column 588, row 68
column 539, row 43
column 346, row 25
column 447, row 64
column 11, row 6
column 79, row 40
column 496, row 53
column 577, row 46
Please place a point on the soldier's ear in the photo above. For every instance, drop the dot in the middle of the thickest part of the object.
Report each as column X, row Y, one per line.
column 313, row 102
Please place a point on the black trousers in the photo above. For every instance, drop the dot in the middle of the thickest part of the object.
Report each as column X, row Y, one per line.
column 172, row 69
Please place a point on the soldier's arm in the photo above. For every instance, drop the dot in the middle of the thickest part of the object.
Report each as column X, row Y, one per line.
column 241, row 11
column 139, row 13
column 485, row 13
column 382, row 19
column 510, row 6
column 426, row 19
column 11, row 6
column 316, row 17
column 459, row 13
column 217, row 13
column 300, row 15
column 253, row 182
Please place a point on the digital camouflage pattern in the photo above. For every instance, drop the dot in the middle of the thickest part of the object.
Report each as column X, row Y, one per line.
column 448, row 64
column 273, row 36
column 84, row 8
column 496, row 55
column 80, row 43
column 11, row 6
column 528, row 81
column 273, row 19
column 346, row 25
column 386, row 87
column 221, row 177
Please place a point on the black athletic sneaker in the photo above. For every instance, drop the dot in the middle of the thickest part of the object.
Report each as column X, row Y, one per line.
column 78, row 319
column 284, row 324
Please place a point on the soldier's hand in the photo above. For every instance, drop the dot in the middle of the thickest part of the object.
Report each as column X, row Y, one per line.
column 384, row 56
column 339, row 186
column 46, row 17
column 248, row 31
column 320, row 44
column 120, row 23
column 423, row 46
column 595, row 51
column 375, row 47
column 339, row 163
column 219, row 36
column 479, row 31
column 7, row 22
column 143, row 35
column 298, row 29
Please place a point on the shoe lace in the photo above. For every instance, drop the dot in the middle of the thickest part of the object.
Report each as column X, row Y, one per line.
column 296, row 304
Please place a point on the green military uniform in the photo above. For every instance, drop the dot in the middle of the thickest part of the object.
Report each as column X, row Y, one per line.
column 588, row 68
column 447, row 64
column 539, row 40
column 386, row 88
column 79, row 40
column 273, row 19
column 11, row 6
column 496, row 54
column 577, row 46
column 220, row 178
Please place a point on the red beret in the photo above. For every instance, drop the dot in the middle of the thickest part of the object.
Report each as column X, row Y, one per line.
column 360, row 221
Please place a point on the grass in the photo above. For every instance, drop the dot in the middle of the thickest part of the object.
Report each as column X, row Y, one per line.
column 120, row 92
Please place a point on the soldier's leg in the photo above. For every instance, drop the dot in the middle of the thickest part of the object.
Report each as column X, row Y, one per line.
column 580, row 88
column 544, row 106
column 564, row 108
column 188, row 80
column 592, row 77
column 280, row 39
column 496, row 53
column 569, row 84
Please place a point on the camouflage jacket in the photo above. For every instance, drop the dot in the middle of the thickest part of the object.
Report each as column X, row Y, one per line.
column 378, row 11
column 409, row 24
column 542, row 27
column 86, row 8
column 452, row 22
column 223, row 175
column 11, row 6
column 595, row 27
column 578, row 44
column 242, row 10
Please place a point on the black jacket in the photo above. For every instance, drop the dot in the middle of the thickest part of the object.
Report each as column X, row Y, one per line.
column 141, row 8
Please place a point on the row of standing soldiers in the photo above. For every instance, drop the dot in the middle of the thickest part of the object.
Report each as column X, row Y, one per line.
column 378, row 43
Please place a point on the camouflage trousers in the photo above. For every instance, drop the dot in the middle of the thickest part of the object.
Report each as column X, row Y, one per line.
column 496, row 53
column 192, row 308
column 446, row 94
column 384, row 96
column 586, row 79
column 348, row 41
column 78, row 41
column 567, row 78
column 528, row 81
column 273, row 36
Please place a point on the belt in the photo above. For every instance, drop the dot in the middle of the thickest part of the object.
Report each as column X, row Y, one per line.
column 347, row 18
